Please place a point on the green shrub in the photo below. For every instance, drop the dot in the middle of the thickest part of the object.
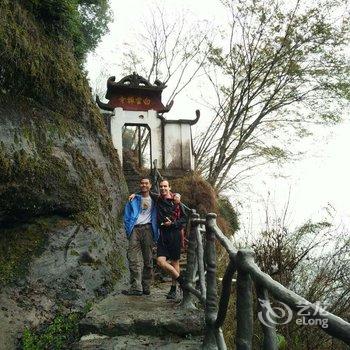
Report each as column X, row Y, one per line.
column 198, row 194
column 83, row 22
column 58, row 335
column 227, row 211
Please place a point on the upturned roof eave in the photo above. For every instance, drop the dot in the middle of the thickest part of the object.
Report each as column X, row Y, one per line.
column 181, row 121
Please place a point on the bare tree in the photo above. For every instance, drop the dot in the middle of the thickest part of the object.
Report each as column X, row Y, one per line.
column 171, row 49
column 313, row 261
column 282, row 67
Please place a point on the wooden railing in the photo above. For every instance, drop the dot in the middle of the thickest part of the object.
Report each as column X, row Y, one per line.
column 156, row 176
column 201, row 282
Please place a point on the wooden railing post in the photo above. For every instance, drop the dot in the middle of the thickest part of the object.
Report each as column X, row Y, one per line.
column 200, row 260
column 192, row 264
column 244, row 335
column 269, row 329
column 225, row 293
column 213, row 335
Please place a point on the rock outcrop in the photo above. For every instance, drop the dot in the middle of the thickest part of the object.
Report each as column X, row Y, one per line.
column 61, row 185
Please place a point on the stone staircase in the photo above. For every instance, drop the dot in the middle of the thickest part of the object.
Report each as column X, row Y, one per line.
column 146, row 322
column 132, row 179
column 132, row 171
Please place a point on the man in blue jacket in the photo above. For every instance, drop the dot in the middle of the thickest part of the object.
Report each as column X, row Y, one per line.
column 140, row 221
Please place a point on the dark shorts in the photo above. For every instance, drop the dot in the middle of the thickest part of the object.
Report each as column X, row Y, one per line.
column 169, row 244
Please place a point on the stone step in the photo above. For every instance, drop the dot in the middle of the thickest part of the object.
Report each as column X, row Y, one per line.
column 132, row 179
column 119, row 314
column 137, row 342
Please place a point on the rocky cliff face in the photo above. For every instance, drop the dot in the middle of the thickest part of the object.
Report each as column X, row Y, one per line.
column 61, row 185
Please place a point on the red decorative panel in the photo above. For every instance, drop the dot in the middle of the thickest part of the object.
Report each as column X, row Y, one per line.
column 136, row 103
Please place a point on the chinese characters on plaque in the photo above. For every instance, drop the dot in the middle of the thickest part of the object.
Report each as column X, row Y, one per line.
column 132, row 100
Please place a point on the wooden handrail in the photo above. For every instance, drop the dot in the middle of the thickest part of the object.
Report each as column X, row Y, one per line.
column 248, row 272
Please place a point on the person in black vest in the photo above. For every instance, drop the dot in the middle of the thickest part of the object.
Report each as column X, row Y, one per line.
column 171, row 219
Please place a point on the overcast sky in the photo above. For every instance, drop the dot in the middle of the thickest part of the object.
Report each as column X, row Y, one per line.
column 319, row 180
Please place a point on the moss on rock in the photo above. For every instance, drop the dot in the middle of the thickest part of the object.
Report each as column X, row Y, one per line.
column 46, row 170
column 56, row 157
column 19, row 244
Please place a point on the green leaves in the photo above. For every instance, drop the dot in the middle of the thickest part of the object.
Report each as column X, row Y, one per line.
column 273, row 152
column 83, row 22
column 281, row 65
column 331, row 118
column 57, row 335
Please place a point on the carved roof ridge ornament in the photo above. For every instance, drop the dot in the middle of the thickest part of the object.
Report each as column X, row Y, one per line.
column 135, row 81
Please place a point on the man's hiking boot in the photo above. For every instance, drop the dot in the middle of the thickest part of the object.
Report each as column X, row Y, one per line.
column 132, row 292
column 172, row 293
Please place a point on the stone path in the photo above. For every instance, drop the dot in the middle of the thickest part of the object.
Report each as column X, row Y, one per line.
column 146, row 322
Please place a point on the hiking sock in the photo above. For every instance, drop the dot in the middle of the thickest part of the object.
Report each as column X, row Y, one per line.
column 180, row 280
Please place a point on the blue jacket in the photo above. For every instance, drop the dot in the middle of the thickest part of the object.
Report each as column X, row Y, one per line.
column 131, row 213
